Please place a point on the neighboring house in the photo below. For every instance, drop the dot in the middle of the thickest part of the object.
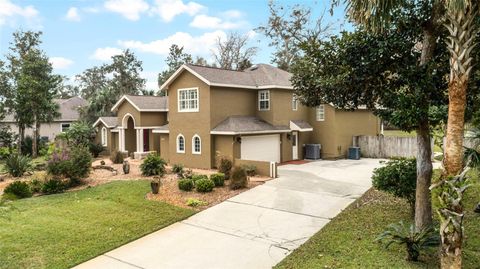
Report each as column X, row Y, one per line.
column 69, row 113
column 243, row 115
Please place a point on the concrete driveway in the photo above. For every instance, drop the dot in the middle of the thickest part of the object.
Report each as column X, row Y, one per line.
column 255, row 229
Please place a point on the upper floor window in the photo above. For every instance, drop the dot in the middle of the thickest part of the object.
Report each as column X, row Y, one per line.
column 196, row 145
column 104, row 136
column 264, row 100
column 65, row 127
column 320, row 113
column 294, row 102
column 180, row 144
column 188, row 100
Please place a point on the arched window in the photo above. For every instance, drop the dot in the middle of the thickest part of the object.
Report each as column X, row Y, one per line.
column 104, row 136
column 180, row 144
column 196, row 145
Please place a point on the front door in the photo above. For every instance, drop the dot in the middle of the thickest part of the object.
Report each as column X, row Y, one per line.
column 294, row 145
column 146, row 141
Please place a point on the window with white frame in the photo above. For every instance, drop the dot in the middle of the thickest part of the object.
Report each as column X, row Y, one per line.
column 104, row 136
column 64, row 127
column 180, row 144
column 264, row 100
column 196, row 145
column 188, row 100
column 320, row 113
column 294, row 102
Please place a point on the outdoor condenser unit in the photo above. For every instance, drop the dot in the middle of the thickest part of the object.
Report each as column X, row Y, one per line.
column 312, row 151
column 354, row 153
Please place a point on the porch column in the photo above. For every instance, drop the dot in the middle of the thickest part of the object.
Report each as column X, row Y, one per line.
column 139, row 140
column 121, row 140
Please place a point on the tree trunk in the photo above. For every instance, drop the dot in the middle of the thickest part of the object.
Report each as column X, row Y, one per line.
column 21, row 137
column 35, row 138
column 423, row 204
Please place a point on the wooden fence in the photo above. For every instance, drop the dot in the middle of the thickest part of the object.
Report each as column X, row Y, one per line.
column 386, row 146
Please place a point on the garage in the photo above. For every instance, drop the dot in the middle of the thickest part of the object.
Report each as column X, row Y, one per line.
column 261, row 148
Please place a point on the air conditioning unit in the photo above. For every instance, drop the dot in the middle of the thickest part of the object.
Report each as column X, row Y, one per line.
column 312, row 151
column 354, row 153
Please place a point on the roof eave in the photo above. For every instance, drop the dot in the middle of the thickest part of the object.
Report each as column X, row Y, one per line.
column 248, row 132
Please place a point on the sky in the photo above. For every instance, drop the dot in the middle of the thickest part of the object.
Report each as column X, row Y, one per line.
column 80, row 34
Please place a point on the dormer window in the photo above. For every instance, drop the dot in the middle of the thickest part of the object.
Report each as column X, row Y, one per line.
column 263, row 100
column 188, row 100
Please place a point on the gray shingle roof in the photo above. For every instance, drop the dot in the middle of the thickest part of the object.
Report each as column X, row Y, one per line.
column 149, row 102
column 259, row 75
column 68, row 108
column 302, row 124
column 162, row 129
column 246, row 125
column 111, row 122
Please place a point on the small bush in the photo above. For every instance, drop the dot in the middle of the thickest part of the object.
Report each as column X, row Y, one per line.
column 185, row 184
column 225, row 167
column 239, row 178
column 4, row 152
column 20, row 189
column 153, row 165
column 250, row 169
column 218, row 179
column 36, row 185
column 178, row 169
column 74, row 165
column 116, row 157
column 414, row 241
column 95, row 149
column 16, row 165
column 53, row 185
column 204, row 185
column 197, row 177
column 397, row 177
column 195, row 202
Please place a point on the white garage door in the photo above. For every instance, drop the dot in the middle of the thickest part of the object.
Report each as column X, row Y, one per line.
column 261, row 148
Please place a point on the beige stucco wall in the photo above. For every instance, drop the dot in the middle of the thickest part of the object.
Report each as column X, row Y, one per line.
column 190, row 123
column 153, row 119
column 224, row 148
column 110, row 138
column 50, row 130
column 164, row 147
column 226, row 102
column 262, row 168
column 281, row 111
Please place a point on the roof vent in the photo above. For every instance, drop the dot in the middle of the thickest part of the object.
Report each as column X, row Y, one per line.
column 254, row 67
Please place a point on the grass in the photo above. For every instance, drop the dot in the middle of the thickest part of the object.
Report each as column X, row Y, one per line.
column 60, row 231
column 399, row 133
column 348, row 240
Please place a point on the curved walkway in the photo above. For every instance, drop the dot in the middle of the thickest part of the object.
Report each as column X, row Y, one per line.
column 255, row 229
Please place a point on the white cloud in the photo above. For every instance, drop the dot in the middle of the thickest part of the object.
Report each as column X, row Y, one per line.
column 72, row 14
column 209, row 22
column 130, row 9
column 169, row 9
column 232, row 14
column 196, row 45
column 91, row 9
column 152, row 79
column 60, row 62
column 8, row 11
column 105, row 54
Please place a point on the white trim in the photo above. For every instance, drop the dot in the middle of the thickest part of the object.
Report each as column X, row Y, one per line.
column 119, row 102
column 193, row 144
column 322, row 107
column 176, row 143
column 198, row 100
column 160, row 131
column 148, row 127
column 104, row 136
column 295, row 127
column 61, row 126
column 249, row 132
column 294, row 102
column 114, row 130
column 125, row 124
column 267, row 92
column 177, row 73
column 104, row 123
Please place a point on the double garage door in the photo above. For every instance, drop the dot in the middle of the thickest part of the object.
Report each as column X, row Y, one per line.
column 261, row 148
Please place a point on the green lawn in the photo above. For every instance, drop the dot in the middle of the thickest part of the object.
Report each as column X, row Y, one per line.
column 59, row 231
column 348, row 240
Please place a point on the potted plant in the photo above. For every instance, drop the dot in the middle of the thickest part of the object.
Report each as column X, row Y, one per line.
column 126, row 167
column 155, row 184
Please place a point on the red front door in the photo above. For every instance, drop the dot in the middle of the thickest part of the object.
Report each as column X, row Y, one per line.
column 146, row 145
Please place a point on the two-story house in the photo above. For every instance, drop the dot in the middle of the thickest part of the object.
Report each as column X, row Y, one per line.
column 243, row 115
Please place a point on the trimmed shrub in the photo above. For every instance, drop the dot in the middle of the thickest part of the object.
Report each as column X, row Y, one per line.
column 53, row 185
column 178, row 169
column 397, row 177
column 204, row 185
column 185, row 184
column 36, row 185
column 218, row 179
column 4, row 152
column 197, row 177
column 20, row 189
column 16, row 165
column 116, row 157
column 250, row 169
column 95, row 149
column 225, row 167
column 195, row 202
column 153, row 165
column 239, row 178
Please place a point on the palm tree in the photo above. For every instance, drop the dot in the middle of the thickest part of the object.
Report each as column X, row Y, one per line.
column 460, row 16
